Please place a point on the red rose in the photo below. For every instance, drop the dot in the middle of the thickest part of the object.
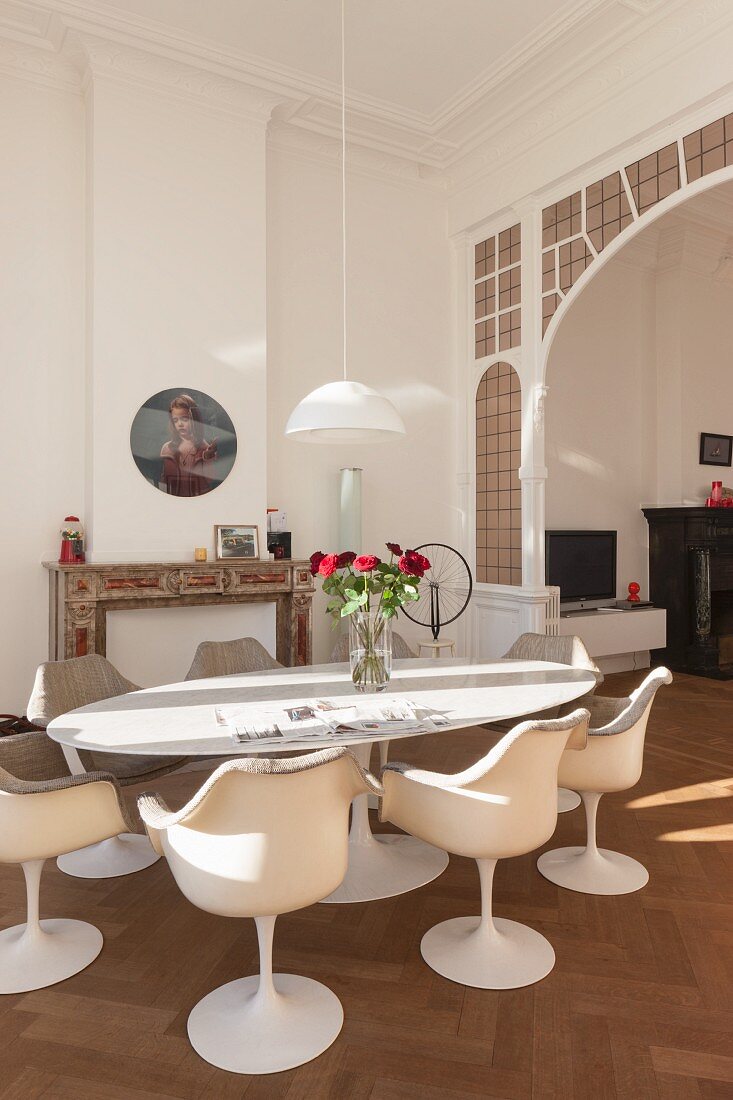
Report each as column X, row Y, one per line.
column 394, row 548
column 316, row 560
column 366, row 562
column 346, row 558
column 413, row 564
column 329, row 564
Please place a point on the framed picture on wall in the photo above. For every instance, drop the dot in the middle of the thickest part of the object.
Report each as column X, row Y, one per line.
column 237, row 541
column 715, row 450
column 183, row 442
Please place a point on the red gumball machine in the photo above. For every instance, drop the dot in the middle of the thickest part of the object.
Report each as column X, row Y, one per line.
column 72, row 542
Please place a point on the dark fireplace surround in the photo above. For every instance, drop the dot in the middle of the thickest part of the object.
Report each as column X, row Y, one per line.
column 691, row 576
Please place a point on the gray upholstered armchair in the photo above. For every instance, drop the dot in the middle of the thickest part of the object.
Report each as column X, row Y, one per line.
column 63, row 686
column 229, row 658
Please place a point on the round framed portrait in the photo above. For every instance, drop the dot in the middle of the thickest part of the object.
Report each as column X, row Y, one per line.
column 183, row 442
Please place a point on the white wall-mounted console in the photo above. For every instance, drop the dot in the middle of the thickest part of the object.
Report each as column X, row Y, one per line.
column 619, row 640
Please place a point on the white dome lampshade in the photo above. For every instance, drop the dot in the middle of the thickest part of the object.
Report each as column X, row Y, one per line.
column 345, row 412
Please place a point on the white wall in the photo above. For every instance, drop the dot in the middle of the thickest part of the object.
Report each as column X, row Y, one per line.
column 177, row 226
column 600, row 416
column 154, row 271
column 399, row 316
column 707, row 379
column 41, row 358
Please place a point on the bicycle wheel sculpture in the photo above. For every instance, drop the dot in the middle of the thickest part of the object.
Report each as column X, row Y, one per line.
column 445, row 591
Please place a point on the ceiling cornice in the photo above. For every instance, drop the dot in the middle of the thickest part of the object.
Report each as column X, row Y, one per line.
column 107, row 57
column 533, row 93
column 561, row 96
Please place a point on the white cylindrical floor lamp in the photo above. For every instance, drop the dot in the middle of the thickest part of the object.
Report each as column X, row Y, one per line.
column 350, row 510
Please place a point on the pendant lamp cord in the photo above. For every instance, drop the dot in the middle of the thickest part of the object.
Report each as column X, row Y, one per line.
column 343, row 170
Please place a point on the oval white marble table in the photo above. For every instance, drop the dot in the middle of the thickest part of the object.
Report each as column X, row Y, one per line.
column 179, row 720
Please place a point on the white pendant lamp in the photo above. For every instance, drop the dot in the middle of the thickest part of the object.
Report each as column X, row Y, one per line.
column 344, row 411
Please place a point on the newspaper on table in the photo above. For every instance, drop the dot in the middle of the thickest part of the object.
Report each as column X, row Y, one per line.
column 326, row 720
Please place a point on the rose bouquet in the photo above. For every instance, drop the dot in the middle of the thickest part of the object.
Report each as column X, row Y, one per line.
column 369, row 592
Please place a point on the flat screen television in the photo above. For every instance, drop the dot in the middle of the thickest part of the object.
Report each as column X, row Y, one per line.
column 582, row 564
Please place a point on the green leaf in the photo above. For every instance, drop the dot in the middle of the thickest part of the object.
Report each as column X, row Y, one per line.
column 349, row 608
column 351, row 593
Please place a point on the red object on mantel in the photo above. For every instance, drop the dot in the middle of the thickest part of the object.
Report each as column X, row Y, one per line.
column 72, row 542
column 719, row 497
column 634, row 590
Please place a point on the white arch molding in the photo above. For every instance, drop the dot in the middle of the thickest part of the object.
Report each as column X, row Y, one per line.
column 684, row 194
column 530, row 360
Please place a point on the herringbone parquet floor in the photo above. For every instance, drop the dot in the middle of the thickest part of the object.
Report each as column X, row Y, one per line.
column 639, row 1004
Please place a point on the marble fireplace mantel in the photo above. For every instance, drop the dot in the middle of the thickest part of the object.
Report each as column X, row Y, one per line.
column 81, row 595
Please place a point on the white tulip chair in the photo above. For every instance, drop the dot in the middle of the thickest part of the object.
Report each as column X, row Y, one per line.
column 263, row 837
column 612, row 761
column 563, row 649
column 45, row 812
column 503, row 806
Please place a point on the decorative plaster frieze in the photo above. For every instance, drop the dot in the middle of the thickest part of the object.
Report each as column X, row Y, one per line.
column 24, row 24
column 138, row 67
column 572, row 93
column 540, row 396
column 642, row 6
column 38, row 65
column 362, row 160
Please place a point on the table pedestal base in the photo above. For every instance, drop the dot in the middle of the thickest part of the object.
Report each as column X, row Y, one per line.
column 121, row 855
column 387, row 864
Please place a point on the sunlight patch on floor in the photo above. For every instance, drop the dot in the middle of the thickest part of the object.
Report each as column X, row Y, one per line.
column 710, row 833
column 719, row 788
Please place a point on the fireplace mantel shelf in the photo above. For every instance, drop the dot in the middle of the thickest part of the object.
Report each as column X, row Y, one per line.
column 81, row 595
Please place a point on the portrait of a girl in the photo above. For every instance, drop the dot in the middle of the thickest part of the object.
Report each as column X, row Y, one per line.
column 183, row 442
column 187, row 457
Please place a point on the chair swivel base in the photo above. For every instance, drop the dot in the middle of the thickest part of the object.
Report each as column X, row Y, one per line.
column 593, row 871
column 41, row 956
column 120, row 855
column 503, row 955
column 236, row 1030
column 567, row 800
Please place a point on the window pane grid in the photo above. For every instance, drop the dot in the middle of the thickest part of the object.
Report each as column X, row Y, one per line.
column 498, row 488
column 497, row 292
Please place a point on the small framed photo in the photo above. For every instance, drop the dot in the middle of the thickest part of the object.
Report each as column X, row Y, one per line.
column 715, row 450
column 237, row 541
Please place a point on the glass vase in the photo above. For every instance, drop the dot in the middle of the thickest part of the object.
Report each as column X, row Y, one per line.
column 370, row 650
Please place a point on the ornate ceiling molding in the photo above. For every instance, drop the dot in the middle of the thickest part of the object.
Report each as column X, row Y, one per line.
column 362, row 160
column 141, row 68
column 39, row 65
column 597, row 79
column 593, row 53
